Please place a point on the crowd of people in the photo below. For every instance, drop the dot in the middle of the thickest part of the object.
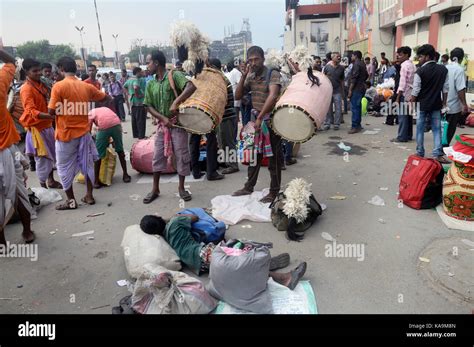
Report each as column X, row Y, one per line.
column 58, row 133
column 432, row 89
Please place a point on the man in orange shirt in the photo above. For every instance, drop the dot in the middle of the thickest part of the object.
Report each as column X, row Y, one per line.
column 38, row 123
column 75, row 150
column 13, row 193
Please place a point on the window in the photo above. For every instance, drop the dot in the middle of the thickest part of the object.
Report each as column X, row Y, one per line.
column 424, row 25
column 409, row 29
column 452, row 17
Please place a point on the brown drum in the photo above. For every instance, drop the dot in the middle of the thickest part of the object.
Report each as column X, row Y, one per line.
column 302, row 108
column 203, row 111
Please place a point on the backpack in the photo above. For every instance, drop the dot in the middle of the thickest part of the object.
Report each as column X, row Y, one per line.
column 207, row 229
column 421, row 184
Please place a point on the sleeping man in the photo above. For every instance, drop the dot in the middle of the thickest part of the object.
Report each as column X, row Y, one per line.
column 197, row 256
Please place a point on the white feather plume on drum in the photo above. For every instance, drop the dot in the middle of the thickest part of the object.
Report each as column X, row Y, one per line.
column 302, row 108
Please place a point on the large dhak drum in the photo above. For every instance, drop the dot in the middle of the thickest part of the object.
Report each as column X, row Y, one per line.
column 302, row 108
column 141, row 157
column 203, row 110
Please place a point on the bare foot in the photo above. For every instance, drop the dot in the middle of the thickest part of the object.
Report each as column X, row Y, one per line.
column 89, row 200
column 28, row 236
column 98, row 185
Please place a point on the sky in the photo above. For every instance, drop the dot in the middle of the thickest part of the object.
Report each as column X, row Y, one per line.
column 55, row 20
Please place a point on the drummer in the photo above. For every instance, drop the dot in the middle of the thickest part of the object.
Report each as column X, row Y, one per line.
column 160, row 101
column 265, row 91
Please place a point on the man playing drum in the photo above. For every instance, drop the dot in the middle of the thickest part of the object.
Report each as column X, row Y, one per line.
column 160, row 100
column 265, row 90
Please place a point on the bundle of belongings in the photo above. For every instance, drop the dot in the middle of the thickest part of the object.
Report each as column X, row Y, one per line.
column 239, row 274
column 458, row 185
column 239, row 270
column 295, row 210
column 248, row 146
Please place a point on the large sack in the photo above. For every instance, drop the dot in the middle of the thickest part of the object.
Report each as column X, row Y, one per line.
column 241, row 280
column 107, row 167
column 161, row 291
column 140, row 249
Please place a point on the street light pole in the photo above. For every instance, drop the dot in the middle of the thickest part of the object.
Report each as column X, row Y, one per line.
column 100, row 33
column 140, row 59
column 83, row 55
column 116, row 50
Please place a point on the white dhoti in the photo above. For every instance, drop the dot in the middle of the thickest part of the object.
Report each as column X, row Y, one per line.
column 12, row 183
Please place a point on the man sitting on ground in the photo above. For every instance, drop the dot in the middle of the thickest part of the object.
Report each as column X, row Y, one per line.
column 177, row 232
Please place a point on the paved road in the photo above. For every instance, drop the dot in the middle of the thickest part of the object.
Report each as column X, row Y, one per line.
column 388, row 280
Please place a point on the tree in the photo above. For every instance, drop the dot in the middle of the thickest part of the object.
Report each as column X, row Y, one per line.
column 43, row 51
column 135, row 52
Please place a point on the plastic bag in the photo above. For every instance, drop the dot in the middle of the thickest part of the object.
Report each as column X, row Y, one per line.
column 162, row 291
column 46, row 196
column 241, row 281
column 107, row 167
column 140, row 249
column 444, row 131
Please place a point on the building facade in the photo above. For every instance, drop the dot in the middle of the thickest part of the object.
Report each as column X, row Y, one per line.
column 319, row 27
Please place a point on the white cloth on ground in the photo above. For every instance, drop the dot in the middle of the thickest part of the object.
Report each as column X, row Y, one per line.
column 232, row 209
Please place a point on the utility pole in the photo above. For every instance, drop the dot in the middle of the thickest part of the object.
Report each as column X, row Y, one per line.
column 83, row 53
column 116, row 50
column 140, row 57
column 100, row 33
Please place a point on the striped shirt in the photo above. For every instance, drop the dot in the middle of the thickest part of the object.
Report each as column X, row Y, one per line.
column 259, row 88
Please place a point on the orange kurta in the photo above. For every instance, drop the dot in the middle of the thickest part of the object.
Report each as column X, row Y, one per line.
column 8, row 133
column 72, row 98
column 33, row 96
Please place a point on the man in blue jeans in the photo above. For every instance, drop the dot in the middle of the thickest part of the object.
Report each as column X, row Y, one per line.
column 357, row 90
column 430, row 80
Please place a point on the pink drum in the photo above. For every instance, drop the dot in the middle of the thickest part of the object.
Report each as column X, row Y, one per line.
column 141, row 156
column 302, row 108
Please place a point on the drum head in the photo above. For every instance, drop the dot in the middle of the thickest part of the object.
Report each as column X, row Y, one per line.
column 196, row 121
column 293, row 124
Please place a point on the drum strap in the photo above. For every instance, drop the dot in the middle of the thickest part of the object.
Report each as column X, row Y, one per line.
column 172, row 84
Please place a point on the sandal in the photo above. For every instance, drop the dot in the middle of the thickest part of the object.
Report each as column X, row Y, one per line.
column 186, row 196
column 279, row 262
column 127, row 179
column 33, row 239
column 68, row 205
column 88, row 202
column 296, row 275
column 150, row 197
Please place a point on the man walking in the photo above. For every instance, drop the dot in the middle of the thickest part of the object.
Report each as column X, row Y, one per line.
column 430, row 80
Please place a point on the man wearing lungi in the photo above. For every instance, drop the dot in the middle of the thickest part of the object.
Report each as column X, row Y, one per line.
column 38, row 123
column 75, row 149
column 265, row 90
column 162, row 104
column 13, row 193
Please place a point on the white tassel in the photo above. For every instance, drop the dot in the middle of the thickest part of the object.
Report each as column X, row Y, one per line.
column 297, row 196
